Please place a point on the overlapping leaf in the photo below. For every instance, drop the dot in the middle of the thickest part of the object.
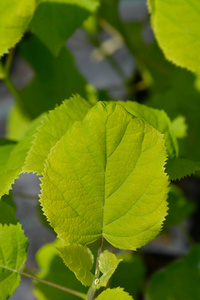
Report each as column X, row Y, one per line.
column 15, row 16
column 110, row 160
column 56, row 123
column 179, row 167
column 114, row 294
column 56, row 20
column 176, row 26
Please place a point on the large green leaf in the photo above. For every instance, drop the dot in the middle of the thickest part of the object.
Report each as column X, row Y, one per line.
column 79, row 259
column 106, row 177
column 180, row 280
column 158, row 119
column 176, row 26
column 53, row 127
column 114, row 294
column 15, row 16
column 56, row 20
column 108, row 263
column 55, row 79
column 53, row 269
column 12, row 158
column 13, row 249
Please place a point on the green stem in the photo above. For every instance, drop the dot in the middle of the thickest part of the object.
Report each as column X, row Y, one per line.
column 57, row 286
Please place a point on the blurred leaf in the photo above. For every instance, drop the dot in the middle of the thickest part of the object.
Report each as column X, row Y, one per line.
column 130, row 274
column 133, row 154
column 53, row 127
column 180, row 207
column 108, row 263
column 79, row 259
column 56, row 20
column 180, row 280
column 178, row 168
column 114, row 294
column 15, row 16
column 53, row 269
column 179, row 127
column 176, row 26
column 55, row 79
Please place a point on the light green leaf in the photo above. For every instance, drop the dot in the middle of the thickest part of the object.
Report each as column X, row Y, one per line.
column 158, row 119
column 13, row 249
column 180, row 280
column 109, row 160
column 56, row 20
column 180, row 207
column 108, row 263
column 130, row 274
column 79, row 259
column 12, row 158
column 179, row 127
column 53, row 269
column 176, row 26
column 15, row 16
column 55, row 79
column 114, row 294
column 53, row 127
column 178, row 168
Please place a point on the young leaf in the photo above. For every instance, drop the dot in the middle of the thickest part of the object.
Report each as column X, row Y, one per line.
column 13, row 158
column 108, row 263
column 53, row 269
column 53, row 127
column 15, row 16
column 55, row 78
column 56, row 20
column 109, row 160
column 79, row 259
column 176, row 26
column 179, row 127
column 158, row 119
column 178, row 168
column 114, row 294
column 180, row 207
column 180, row 280
column 13, row 249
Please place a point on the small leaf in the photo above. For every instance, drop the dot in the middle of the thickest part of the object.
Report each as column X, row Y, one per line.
column 178, row 168
column 179, row 127
column 106, row 177
column 53, row 127
column 179, row 280
column 79, row 259
column 15, row 16
column 158, row 119
column 108, row 263
column 13, row 250
column 176, row 26
column 55, row 21
column 53, row 269
column 114, row 294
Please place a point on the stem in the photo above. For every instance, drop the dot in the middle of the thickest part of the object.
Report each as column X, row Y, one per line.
column 92, row 290
column 57, row 286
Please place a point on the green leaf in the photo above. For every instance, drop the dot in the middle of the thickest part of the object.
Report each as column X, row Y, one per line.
column 158, row 119
column 56, row 20
column 13, row 249
column 53, row 127
column 178, row 168
column 12, row 158
column 108, row 263
column 180, row 207
column 130, row 274
column 114, row 294
column 109, row 160
column 179, row 127
column 180, row 280
column 53, row 269
column 55, row 79
column 79, row 259
column 176, row 26
column 15, row 16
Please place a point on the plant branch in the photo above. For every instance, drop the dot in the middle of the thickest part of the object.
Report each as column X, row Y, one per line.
column 57, row 286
